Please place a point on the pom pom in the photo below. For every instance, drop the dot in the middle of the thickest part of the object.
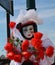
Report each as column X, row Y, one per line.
column 10, row 55
column 8, row 47
column 26, row 55
column 25, row 45
column 36, row 43
column 49, row 51
column 18, row 58
column 12, row 25
column 38, row 35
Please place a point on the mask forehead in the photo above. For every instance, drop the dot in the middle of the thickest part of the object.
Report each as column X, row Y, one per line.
column 28, row 28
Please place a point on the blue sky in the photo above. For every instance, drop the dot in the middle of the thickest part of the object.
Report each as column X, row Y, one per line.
column 45, row 10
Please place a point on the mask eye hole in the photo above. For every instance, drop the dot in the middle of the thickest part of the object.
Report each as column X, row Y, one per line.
column 25, row 30
column 30, row 29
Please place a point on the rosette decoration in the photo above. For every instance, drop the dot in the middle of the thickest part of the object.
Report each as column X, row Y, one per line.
column 32, row 50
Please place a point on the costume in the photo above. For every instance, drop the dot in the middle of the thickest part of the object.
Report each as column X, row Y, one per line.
column 26, row 45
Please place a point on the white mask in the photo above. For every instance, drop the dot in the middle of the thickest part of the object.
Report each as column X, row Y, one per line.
column 28, row 31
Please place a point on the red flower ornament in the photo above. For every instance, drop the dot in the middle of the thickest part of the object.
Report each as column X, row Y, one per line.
column 26, row 55
column 10, row 55
column 37, row 43
column 38, row 35
column 49, row 51
column 25, row 45
column 12, row 25
column 18, row 58
column 8, row 47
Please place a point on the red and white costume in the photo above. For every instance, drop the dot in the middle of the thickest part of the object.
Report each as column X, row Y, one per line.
column 46, row 42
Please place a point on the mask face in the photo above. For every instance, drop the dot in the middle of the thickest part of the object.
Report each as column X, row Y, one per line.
column 28, row 31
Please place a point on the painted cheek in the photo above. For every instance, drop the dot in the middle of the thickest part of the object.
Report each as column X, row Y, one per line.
column 32, row 32
column 26, row 34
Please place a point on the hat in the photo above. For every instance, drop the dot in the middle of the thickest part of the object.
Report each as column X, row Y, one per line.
column 29, row 15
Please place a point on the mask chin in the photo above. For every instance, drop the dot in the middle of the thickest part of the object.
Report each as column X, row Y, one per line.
column 28, row 38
